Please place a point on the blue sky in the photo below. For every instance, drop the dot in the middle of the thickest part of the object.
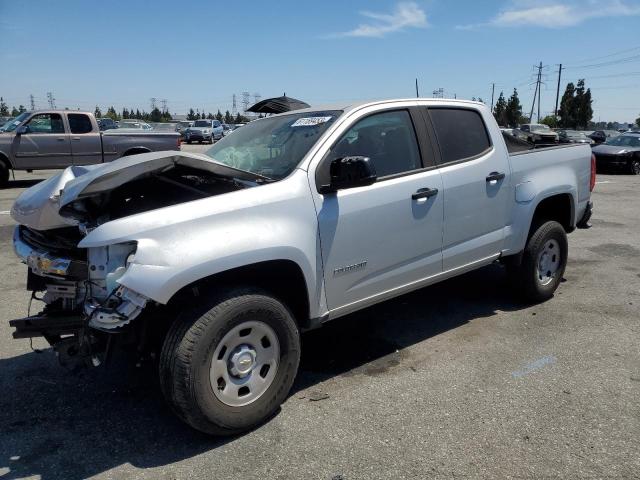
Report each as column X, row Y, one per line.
column 198, row 53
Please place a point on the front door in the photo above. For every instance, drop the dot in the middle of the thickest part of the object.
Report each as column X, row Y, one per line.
column 383, row 238
column 44, row 145
column 476, row 177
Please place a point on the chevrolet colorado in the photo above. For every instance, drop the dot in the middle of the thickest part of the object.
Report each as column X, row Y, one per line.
column 223, row 258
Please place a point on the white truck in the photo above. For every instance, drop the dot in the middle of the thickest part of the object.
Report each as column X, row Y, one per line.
column 220, row 260
column 50, row 139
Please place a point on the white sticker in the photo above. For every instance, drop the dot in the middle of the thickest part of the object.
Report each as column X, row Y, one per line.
column 310, row 121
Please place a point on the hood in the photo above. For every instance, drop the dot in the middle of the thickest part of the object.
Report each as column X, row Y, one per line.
column 39, row 207
column 614, row 149
column 199, row 129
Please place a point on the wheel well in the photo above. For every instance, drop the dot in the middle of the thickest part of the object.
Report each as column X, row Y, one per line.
column 558, row 208
column 282, row 278
column 135, row 151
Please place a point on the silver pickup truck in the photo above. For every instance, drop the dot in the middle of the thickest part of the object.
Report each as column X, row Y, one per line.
column 219, row 260
column 50, row 139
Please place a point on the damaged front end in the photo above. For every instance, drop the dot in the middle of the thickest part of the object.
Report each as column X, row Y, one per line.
column 85, row 305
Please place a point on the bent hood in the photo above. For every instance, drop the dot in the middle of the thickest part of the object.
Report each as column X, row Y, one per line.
column 39, row 206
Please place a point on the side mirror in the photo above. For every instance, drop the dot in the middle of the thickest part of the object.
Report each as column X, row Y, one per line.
column 350, row 172
column 22, row 129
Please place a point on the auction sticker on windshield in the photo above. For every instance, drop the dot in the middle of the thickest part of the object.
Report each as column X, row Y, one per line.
column 310, row 121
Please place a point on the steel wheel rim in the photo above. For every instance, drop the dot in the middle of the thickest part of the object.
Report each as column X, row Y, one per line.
column 636, row 167
column 548, row 262
column 244, row 363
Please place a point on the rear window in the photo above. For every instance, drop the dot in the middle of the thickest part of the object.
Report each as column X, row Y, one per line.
column 79, row 123
column 461, row 133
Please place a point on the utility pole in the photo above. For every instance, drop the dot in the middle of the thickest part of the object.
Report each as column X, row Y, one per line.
column 536, row 94
column 32, row 102
column 245, row 101
column 51, row 100
column 234, row 108
column 417, row 92
column 493, row 91
column 558, row 90
column 153, row 101
column 163, row 102
column 256, row 97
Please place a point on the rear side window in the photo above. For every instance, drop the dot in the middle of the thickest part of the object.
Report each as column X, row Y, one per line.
column 79, row 123
column 461, row 133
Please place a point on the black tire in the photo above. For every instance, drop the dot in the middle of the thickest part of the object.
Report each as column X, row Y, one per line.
column 634, row 166
column 187, row 354
column 4, row 174
column 189, row 142
column 525, row 277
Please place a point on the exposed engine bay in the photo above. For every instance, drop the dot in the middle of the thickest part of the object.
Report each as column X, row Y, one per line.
column 83, row 300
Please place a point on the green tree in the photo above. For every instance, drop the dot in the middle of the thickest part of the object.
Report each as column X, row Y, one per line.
column 567, row 111
column 500, row 110
column 584, row 111
column 125, row 113
column 97, row 112
column 219, row 116
column 240, row 119
column 15, row 112
column 513, row 111
column 191, row 115
column 4, row 110
column 550, row 120
column 638, row 122
column 227, row 117
column 112, row 114
column 21, row 109
column 155, row 115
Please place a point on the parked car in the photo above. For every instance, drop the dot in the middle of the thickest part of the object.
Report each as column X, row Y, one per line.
column 204, row 131
column 539, row 133
column 106, row 124
column 133, row 124
column 226, row 129
column 600, row 136
column 621, row 152
column 293, row 221
column 5, row 121
column 573, row 136
column 58, row 138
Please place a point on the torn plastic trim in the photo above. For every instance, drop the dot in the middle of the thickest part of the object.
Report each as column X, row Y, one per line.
column 104, row 317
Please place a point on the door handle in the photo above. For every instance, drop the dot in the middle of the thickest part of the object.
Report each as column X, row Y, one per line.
column 424, row 193
column 61, row 139
column 77, row 139
column 495, row 176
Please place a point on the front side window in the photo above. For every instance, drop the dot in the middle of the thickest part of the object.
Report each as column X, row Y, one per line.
column 387, row 138
column 79, row 123
column 273, row 147
column 625, row 141
column 461, row 133
column 46, row 123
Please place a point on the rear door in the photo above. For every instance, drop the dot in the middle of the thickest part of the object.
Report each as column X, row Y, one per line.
column 379, row 239
column 476, row 179
column 86, row 143
column 45, row 145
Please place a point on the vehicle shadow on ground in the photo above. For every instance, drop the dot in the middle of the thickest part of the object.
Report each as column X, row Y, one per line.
column 58, row 424
column 21, row 183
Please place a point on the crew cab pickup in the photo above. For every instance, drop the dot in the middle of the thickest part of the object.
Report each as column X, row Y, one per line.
column 219, row 260
column 50, row 139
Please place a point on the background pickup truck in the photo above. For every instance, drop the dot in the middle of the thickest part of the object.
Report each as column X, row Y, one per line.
column 60, row 138
column 218, row 261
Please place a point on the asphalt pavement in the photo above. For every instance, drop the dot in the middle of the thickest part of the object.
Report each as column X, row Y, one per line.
column 454, row 380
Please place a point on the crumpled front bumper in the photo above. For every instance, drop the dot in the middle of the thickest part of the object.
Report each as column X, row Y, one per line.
column 44, row 263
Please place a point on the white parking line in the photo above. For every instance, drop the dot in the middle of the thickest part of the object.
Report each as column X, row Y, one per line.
column 5, row 212
column 604, row 181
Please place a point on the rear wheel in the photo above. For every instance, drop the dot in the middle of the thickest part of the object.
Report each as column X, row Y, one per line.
column 543, row 263
column 634, row 166
column 228, row 369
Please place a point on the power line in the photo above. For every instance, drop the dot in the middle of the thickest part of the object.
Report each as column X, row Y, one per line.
column 51, row 100
column 245, row 101
column 619, row 61
column 606, row 56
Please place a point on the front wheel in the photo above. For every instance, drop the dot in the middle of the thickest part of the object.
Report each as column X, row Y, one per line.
column 229, row 368
column 4, row 174
column 634, row 166
column 543, row 263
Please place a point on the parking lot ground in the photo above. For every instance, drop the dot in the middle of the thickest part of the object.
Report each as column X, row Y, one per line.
column 454, row 380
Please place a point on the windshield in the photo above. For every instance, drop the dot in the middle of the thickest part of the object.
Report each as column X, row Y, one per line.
column 202, row 123
column 573, row 133
column 625, row 141
column 273, row 147
column 537, row 128
column 13, row 124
